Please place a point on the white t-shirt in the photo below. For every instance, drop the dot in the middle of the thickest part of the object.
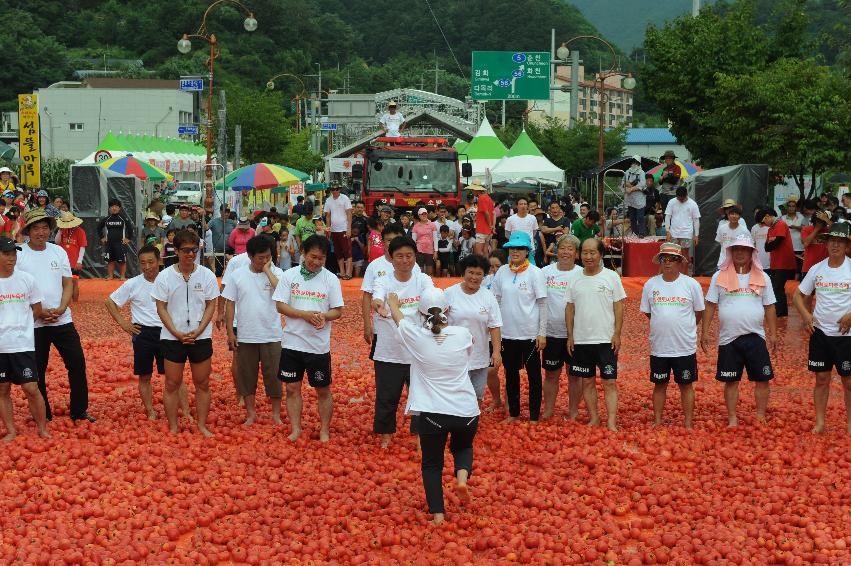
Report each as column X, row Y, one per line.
column 832, row 286
column 517, row 295
column 593, row 298
column 673, row 327
column 186, row 300
column 740, row 311
column 392, row 122
column 440, row 381
column 337, row 208
column 236, row 262
column 388, row 347
column 143, row 308
column 759, row 233
column 557, row 282
column 18, row 293
column 252, row 294
column 725, row 235
column 378, row 268
column 321, row 294
column 478, row 313
column 47, row 267
column 683, row 215
column 798, row 221
column 526, row 224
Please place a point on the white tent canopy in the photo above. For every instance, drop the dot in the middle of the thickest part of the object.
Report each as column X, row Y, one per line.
column 525, row 161
column 485, row 150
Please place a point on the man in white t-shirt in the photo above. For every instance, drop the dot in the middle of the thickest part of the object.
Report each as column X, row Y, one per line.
column 236, row 262
column 258, row 346
column 310, row 298
column 49, row 266
column 20, row 302
column 186, row 302
column 522, row 221
column 338, row 216
column 829, row 323
column 392, row 122
column 392, row 361
column 682, row 222
column 741, row 291
column 144, row 327
column 377, row 269
column 674, row 304
column 594, row 317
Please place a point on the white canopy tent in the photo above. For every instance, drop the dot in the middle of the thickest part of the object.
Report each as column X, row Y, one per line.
column 525, row 161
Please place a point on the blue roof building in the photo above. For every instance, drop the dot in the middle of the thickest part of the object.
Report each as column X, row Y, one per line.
column 653, row 142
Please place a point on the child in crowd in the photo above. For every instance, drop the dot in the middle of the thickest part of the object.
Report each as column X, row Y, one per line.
column 319, row 224
column 465, row 245
column 358, row 252
column 445, row 244
column 497, row 259
column 169, row 252
column 151, row 227
column 374, row 242
column 286, row 248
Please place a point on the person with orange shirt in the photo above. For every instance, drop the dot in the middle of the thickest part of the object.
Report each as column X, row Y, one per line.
column 72, row 238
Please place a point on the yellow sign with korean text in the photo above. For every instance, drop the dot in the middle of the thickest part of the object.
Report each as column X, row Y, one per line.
column 29, row 140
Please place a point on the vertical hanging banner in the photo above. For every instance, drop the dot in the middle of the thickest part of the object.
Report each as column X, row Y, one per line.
column 29, row 139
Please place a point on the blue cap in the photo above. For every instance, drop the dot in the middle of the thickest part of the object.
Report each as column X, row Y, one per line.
column 519, row 240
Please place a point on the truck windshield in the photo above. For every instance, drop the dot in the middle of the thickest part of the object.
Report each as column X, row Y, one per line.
column 415, row 176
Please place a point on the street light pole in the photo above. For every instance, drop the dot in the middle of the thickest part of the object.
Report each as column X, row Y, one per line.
column 185, row 46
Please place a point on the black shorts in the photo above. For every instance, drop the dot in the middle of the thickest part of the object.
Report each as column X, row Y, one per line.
column 18, row 368
column 294, row 364
column 745, row 352
column 424, row 260
column 115, row 251
column 177, row 352
column 445, row 259
column 147, row 348
column 827, row 352
column 684, row 369
column 555, row 354
column 588, row 357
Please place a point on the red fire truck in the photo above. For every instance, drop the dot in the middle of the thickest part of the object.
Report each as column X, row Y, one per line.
column 409, row 171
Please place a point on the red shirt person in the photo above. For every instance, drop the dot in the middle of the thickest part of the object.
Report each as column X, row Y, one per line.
column 72, row 238
column 778, row 243
column 815, row 250
column 485, row 219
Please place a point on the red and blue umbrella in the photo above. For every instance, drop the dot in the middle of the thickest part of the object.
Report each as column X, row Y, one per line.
column 687, row 169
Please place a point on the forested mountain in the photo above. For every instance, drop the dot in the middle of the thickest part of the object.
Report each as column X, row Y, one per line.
column 375, row 44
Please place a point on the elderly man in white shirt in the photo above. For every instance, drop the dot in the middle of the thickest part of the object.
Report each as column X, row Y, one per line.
column 682, row 223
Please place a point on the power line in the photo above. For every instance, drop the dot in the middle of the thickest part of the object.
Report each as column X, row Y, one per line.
column 451, row 51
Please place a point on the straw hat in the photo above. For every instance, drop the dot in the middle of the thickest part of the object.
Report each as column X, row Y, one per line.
column 729, row 202
column 37, row 215
column 152, row 216
column 476, row 187
column 68, row 220
column 669, row 248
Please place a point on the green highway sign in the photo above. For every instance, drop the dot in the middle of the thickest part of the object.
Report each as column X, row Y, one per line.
column 511, row 75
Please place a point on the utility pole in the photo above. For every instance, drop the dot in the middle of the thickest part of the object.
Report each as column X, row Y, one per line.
column 574, row 87
column 436, row 70
column 503, row 113
column 223, row 131
column 552, row 71
column 695, row 8
column 237, row 145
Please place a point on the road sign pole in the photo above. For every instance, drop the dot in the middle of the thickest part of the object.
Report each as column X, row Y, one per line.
column 574, row 87
column 552, row 71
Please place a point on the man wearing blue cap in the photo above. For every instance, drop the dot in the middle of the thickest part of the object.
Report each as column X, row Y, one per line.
column 521, row 292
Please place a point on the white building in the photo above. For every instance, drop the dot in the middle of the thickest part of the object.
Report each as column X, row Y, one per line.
column 76, row 116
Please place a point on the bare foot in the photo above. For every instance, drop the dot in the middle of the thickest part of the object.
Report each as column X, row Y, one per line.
column 44, row 434
column 249, row 420
column 277, row 419
column 656, row 424
column 10, row 437
column 509, row 419
column 497, row 406
column 612, row 427
column 547, row 415
column 205, row 431
column 172, row 430
column 761, row 419
column 689, row 426
column 324, row 435
column 294, row 434
column 463, row 493
column 732, row 422
column 385, row 441
column 819, row 428
column 595, row 421
column 438, row 519
column 152, row 415
column 571, row 418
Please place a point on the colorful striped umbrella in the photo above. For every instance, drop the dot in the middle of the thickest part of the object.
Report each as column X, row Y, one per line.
column 129, row 165
column 264, row 176
column 687, row 169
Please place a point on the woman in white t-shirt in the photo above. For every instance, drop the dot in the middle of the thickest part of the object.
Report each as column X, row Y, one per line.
column 520, row 291
column 475, row 308
column 440, row 392
column 730, row 229
column 557, row 278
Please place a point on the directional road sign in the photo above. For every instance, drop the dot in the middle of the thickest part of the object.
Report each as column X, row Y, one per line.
column 329, row 126
column 187, row 130
column 192, row 84
column 511, row 75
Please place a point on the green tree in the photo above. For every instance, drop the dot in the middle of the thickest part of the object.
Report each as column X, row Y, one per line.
column 264, row 125
column 794, row 115
column 297, row 152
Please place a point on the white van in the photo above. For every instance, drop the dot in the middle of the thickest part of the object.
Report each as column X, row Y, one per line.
column 190, row 192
